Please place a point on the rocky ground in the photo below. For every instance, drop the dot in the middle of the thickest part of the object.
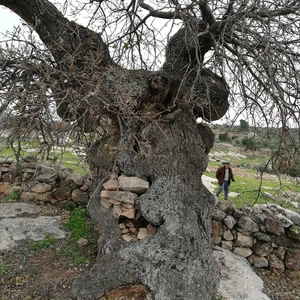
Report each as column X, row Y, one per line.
column 43, row 274
column 282, row 287
column 48, row 273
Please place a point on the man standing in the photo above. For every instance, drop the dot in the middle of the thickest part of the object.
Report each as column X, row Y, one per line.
column 224, row 175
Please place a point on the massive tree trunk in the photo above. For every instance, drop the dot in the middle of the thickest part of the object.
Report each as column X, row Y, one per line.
column 149, row 119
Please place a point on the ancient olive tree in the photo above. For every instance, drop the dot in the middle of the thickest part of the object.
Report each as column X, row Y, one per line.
column 135, row 92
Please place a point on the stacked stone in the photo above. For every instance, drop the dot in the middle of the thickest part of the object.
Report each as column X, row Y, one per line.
column 120, row 195
column 267, row 235
column 41, row 183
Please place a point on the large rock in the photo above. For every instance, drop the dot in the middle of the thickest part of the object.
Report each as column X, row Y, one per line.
column 243, row 251
column 5, row 188
column 294, row 232
column 74, row 180
column 273, row 226
column 292, row 259
column 47, row 178
column 40, row 188
column 230, row 221
column 80, row 196
column 276, row 265
column 217, row 229
column 262, row 249
column 247, row 226
column 219, row 215
column 133, row 184
column 34, row 197
column 119, row 196
column 258, row 261
column 238, row 280
column 243, row 240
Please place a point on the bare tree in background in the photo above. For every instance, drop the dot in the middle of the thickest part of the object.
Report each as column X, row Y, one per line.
column 136, row 91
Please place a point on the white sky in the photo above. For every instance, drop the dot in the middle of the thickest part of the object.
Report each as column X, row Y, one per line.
column 8, row 20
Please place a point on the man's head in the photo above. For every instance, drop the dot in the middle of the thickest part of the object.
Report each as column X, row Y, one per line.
column 227, row 164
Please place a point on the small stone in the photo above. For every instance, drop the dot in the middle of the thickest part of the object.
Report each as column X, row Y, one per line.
column 143, row 233
column 106, row 204
column 245, row 252
column 82, row 242
column 129, row 237
column 151, row 229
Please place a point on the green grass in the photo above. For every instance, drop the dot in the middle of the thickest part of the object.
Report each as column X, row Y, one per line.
column 251, row 190
column 79, row 227
column 249, row 186
column 252, row 158
column 59, row 156
column 14, row 196
column 77, row 224
column 46, row 242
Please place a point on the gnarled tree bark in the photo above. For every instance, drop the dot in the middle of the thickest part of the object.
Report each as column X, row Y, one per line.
column 151, row 120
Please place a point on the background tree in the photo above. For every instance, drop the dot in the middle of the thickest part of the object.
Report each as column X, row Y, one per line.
column 244, row 125
column 135, row 92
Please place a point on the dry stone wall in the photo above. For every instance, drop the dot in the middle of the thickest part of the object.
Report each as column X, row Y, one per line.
column 41, row 183
column 267, row 235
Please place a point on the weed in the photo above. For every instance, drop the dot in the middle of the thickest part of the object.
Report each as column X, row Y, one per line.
column 69, row 207
column 46, row 242
column 80, row 228
column 14, row 196
column 77, row 223
column 75, row 253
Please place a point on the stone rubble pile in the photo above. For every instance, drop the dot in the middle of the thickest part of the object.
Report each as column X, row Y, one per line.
column 267, row 235
column 120, row 195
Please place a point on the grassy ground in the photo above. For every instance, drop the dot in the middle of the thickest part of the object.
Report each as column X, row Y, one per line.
column 252, row 185
column 57, row 156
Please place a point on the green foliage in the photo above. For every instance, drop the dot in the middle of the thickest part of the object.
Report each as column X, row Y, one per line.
column 14, row 196
column 75, row 253
column 249, row 144
column 77, row 223
column 244, row 125
column 223, row 137
column 46, row 242
column 80, row 228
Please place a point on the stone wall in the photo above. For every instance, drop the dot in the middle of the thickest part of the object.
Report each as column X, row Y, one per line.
column 267, row 235
column 41, row 183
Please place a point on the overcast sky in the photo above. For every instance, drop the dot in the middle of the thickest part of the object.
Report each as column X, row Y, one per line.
column 8, row 20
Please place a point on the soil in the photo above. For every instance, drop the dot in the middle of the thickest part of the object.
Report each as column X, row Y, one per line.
column 47, row 274
column 280, row 287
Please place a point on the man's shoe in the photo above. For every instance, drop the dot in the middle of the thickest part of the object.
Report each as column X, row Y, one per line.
column 225, row 198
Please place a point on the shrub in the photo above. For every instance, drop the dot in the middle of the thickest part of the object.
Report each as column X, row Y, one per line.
column 223, row 137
